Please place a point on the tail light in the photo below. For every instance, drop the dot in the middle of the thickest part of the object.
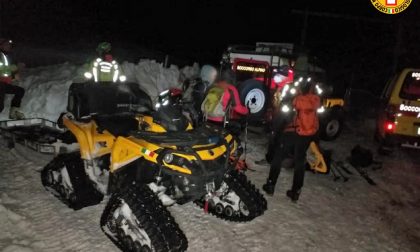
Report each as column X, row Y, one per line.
column 389, row 127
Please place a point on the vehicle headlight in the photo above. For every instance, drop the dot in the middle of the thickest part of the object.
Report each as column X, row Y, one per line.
column 321, row 110
column 285, row 108
column 168, row 158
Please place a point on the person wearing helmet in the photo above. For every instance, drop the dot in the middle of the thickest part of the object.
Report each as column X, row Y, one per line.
column 8, row 76
column 295, row 137
column 104, row 51
column 104, row 68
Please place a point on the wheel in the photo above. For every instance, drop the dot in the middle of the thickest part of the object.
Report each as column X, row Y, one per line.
column 219, row 208
column 331, row 125
column 229, row 211
column 241, row 200
column 253, row 94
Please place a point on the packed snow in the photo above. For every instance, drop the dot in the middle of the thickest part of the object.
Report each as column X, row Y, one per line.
column 330, row 215
column 46, row 88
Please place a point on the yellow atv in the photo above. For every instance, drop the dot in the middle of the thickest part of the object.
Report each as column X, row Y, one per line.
column 145, row 159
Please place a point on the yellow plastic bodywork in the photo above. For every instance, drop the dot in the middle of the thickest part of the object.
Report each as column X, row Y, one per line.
column 315, row 159
column 332, row 102
column 125, row 150
column 152, row 126
column 405, row 125
column 92, row 143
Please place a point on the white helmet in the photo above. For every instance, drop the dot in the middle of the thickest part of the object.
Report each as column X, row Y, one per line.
column 208, row 73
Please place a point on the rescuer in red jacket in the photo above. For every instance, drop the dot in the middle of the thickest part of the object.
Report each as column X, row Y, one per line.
column 295, row 139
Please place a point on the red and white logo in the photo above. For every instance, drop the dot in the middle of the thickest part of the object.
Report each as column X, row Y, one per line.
column 391, row 2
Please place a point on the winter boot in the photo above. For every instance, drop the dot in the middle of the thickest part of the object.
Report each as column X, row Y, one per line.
column 16, row 114
column 269, row 187
column 294, row 196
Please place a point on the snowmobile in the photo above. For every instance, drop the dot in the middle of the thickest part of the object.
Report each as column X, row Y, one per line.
column 145, row 158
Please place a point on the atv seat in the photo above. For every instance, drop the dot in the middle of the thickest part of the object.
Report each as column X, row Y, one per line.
column 87, row 99
column 117, row 125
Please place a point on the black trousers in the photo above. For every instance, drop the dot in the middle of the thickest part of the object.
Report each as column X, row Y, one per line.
column 290, row 143
column 17, row 91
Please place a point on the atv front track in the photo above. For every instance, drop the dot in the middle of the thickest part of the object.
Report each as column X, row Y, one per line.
column 153, row 228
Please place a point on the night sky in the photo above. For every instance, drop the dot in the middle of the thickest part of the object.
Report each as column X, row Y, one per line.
column 354, row 51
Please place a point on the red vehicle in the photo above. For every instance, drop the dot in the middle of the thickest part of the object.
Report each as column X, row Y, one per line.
column 259, row 71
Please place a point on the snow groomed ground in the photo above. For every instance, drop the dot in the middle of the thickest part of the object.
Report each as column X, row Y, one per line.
column 330, row 216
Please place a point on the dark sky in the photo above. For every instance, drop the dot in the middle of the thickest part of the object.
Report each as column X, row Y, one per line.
column 200, row 30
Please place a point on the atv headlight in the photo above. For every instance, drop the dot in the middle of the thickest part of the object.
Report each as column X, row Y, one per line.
column 168, row 158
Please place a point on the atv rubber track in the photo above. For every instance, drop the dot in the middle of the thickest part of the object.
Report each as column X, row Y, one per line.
column 153, row 217
column 84, row 194
column 253, row 199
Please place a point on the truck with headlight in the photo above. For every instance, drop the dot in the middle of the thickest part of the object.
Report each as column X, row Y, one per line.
column 261, row 73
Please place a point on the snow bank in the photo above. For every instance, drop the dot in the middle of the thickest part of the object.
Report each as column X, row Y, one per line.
column 47, row 87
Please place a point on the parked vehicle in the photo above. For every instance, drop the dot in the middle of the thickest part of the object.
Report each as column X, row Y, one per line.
column 398, row 118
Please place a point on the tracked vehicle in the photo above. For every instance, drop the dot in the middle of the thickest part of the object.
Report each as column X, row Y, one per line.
column 144, row 158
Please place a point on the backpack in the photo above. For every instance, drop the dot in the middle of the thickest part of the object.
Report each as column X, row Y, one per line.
column 361, row 157
column 306, row 119
column 212, row 105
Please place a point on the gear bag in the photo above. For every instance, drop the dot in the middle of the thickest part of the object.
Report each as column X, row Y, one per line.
column 306, row 120
column 212, row 105
column 361, row 157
